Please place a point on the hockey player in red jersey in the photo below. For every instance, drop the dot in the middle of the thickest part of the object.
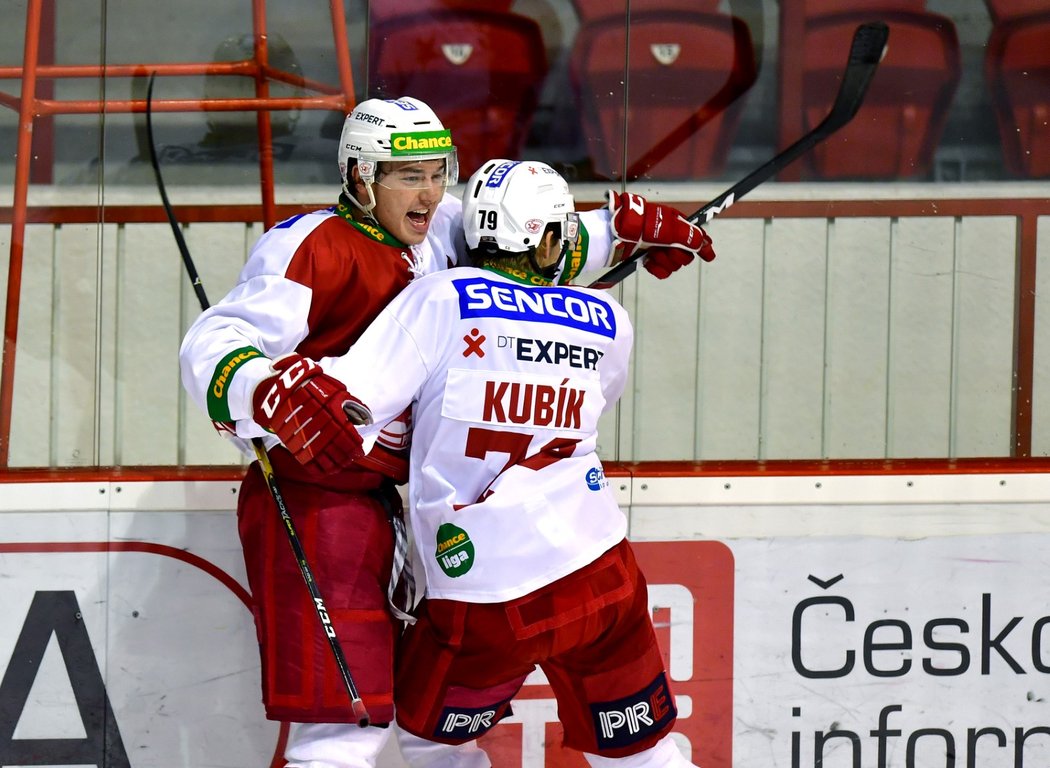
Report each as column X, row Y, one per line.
column 310, row 287
column 312, row 284
column 523, row 544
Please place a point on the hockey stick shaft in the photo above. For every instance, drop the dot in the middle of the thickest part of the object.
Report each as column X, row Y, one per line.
column 741, row 76
column 358, row 706
column 866, row 51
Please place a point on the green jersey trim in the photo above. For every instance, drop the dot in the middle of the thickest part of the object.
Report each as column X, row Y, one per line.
column 370, row 229
column 218, row 405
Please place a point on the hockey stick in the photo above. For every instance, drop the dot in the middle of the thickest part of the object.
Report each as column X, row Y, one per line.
column 865, row 53
column 259, row 447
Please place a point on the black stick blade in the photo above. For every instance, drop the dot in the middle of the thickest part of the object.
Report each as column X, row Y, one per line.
column 865, row 53
column 869, row 44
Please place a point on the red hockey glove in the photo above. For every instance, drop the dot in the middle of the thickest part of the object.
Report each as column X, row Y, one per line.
column 661, row 262
column 311, row 413
column 390, row 453
column 672, row 240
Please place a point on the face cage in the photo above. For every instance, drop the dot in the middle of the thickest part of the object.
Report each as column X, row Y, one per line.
column 368, row 167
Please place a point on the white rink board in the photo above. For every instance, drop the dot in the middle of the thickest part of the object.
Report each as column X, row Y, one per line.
column 856, row 617
column 931, row 638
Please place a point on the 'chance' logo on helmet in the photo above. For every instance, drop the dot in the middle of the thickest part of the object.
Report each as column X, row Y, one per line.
column 559, row 306
column 420, row 142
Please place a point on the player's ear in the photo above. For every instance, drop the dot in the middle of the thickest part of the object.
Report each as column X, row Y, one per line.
column 545, row 251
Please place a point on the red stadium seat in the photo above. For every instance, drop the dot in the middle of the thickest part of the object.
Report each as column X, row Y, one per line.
column 1017, row 68
column 1004, row 10
column 871, row 7
column 688, row 72
column 589, row 10
column 900, row 124
column 480, row 70
column 382, row 11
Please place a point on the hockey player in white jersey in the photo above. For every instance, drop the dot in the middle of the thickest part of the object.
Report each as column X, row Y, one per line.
column 310, row 287
column 523, row 544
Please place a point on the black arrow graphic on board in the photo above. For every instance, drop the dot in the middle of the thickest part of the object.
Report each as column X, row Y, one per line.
column 826, row 584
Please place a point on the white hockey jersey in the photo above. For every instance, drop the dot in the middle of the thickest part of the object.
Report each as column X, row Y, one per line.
column 506, row 491
column 312, row 284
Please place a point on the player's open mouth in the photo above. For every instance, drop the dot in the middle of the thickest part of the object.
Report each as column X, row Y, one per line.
column 419, row 219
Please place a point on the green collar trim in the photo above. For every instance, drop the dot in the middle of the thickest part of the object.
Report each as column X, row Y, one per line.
column 371, row 228
column 520, row 276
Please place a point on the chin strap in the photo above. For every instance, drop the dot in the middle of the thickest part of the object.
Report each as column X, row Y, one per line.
column 348, row 207
column 365, row 209
column 543, row 272
column 550, row 271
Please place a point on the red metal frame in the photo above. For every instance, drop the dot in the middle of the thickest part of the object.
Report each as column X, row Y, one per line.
column 624, row 469
column 1026, row 211
column 36, row 107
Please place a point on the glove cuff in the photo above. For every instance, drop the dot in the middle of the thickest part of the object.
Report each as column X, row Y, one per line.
column 357, row 413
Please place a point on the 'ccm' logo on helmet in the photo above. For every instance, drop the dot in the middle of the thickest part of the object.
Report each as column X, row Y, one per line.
column 421, row 142
column 559, row 306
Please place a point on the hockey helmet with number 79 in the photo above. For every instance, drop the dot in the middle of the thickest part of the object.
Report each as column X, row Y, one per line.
column 508, row 204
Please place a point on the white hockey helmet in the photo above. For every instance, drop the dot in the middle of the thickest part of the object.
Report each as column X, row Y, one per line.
column 391, row 130
column 508, row 204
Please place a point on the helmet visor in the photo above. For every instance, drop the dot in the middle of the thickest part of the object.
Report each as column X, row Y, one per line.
column 424, row 173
